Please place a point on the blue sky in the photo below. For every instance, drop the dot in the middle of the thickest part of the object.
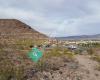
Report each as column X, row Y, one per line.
column 55, row 17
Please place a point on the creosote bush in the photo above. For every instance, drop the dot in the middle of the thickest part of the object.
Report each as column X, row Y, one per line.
column 58, row 52
column 9, row 69
column 90, row 51
column 96, row 58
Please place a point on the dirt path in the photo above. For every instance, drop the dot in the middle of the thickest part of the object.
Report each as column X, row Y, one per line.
column 88, row 64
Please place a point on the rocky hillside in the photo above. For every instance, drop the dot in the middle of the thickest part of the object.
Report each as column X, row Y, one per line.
column 12, row 28
column 13, row 31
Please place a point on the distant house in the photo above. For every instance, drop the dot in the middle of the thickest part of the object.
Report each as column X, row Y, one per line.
column 72, row 46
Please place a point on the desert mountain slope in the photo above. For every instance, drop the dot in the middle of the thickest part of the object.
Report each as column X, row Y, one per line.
column 17, row 29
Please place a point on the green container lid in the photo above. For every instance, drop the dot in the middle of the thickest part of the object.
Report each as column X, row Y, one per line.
column 35, row 54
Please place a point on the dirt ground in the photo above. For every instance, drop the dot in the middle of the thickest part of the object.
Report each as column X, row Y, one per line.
column 90, row 65
column 83, row 68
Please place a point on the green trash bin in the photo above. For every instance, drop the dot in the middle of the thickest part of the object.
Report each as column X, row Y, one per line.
column 35, row 54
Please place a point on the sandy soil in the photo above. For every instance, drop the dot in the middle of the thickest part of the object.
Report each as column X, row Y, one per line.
column 90, row 65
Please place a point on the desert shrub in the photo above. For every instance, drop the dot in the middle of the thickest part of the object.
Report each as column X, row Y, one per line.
column 26, row 42
column 79, row 51
column 55, row 52
column 98, row 67
column 9, row 69
column 68, row 54
column 96, row 58
column 40, row 65
column 8, row 72
column 90, row 51
column 96, row 44
column 59, row 52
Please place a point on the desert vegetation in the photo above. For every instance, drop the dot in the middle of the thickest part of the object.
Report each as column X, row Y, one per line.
column 15, row 64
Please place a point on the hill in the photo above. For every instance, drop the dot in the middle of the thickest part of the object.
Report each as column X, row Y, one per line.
column 81, row 37
column 13, row 29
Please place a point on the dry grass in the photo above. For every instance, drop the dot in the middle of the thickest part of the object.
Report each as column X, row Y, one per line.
column 57, row 53
column 8, row 68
